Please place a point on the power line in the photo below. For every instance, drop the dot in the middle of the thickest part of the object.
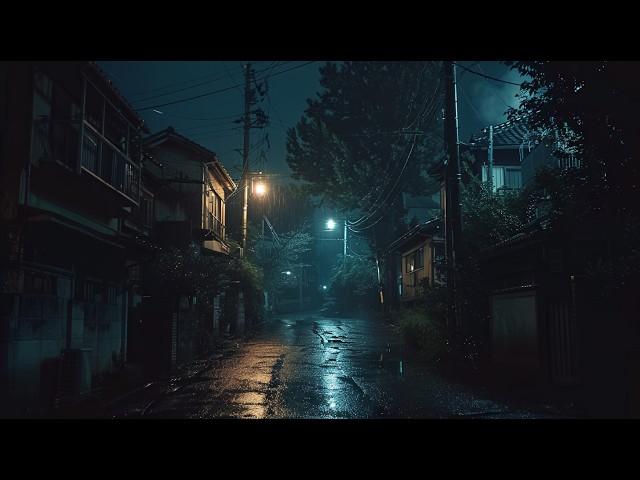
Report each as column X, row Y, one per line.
column 153, row 97
column 496, row 90
column 174, row 84
column 378, row 204
column 487, row 76
column 203, row 119
column 466, row 97
column 367, row 227
column 430, row 104
column 217, row 91
column 227, row 73
column 369, row 215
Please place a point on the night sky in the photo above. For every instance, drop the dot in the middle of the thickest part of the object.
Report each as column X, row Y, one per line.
column 481, row 102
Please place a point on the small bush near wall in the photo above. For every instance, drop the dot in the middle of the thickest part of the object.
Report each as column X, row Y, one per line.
column 422, row 331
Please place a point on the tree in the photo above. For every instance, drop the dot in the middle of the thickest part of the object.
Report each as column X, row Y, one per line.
column 489, row 217
column 275, row 256
column 354, row 283
column 368, row 136
column 592, row 108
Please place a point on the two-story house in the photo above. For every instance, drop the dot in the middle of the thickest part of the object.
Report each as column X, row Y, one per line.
column 186, row 187
column 530, row 277
column 421, row 253
column 192, row 206
column 69, row 174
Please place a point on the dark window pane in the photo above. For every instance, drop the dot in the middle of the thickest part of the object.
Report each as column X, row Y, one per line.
column 94, row 104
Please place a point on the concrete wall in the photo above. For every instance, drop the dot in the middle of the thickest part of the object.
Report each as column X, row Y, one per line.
column 38, row 331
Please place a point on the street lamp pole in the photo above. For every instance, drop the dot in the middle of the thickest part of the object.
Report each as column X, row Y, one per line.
column 344, row 252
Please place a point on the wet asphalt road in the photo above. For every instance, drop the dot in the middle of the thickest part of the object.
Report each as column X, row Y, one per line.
column 309, row 366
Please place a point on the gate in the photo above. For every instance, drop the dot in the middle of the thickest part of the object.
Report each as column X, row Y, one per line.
column 563, row 352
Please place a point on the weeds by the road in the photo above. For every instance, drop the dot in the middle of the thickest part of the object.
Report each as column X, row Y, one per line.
column 420, row 330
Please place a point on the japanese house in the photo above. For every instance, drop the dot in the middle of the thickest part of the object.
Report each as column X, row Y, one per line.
column 421, row 253
column 188, row 187
column 69, row 176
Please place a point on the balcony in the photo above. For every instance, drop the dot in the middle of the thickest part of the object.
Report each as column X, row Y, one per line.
column 214, row 225
column 108, row 164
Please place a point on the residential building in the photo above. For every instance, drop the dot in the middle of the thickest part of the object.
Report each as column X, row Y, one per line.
column 195, row 186
column 421, row 253
column 69, row 176
column 185, row 187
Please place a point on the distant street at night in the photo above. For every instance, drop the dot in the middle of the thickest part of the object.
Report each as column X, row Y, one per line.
column 311, row 239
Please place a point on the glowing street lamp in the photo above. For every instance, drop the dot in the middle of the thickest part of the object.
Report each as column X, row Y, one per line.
column 260, row 189
column 331, row 225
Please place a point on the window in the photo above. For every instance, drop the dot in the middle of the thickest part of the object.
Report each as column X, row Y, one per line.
column 43, row 85
column 94, row 107
column 96, row 292
column 116, row 129
column 90, row 151
column 146, row 209
column 503, row 177
column 409, row 265
column 415, row 260
column 39, row 283
column 64, row 128
column 512, row 178
column 419, row 258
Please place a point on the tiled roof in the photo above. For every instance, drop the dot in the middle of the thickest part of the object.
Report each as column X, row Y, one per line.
column 507, row 133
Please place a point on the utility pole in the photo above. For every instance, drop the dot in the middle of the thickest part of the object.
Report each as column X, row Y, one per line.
column 300, row 297
column 490, row 156
column 344, row 250
column 453, row 179
column 245, row 154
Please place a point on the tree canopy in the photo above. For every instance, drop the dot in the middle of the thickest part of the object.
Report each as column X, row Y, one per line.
column 370, row 134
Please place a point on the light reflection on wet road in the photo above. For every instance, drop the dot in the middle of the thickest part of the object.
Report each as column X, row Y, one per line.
column 309, row 366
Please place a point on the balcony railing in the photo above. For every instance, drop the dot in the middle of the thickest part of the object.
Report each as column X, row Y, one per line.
column 215, row 225
column 106, row 162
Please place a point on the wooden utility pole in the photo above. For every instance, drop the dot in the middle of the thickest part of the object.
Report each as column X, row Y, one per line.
column 245, row 154
column 453, row 179
column 490, row 157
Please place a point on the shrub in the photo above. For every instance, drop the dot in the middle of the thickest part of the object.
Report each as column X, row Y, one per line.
column 422, row 331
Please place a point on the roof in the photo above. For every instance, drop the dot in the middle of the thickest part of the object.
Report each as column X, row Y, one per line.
column 504, row 134
column 107, row 83
column 423, row 230
column 213, row 161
